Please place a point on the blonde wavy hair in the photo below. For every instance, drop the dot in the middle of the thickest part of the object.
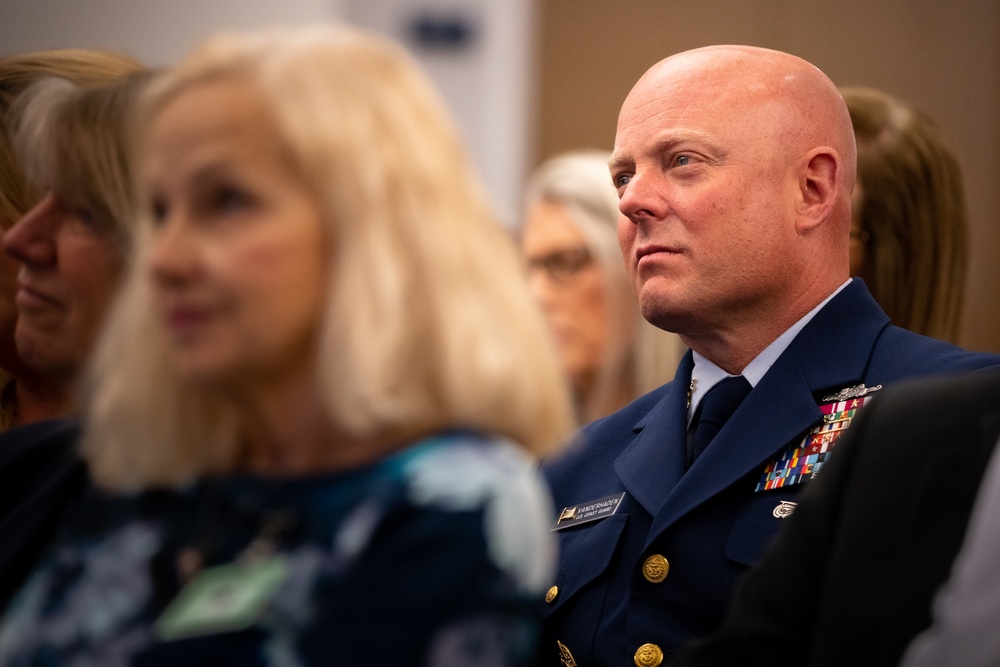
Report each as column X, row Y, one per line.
column 76, row 142
column 18, row 72
column 428, row 323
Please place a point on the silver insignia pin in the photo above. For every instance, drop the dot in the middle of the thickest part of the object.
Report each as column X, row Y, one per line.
column 784, row 509
column 851, row 392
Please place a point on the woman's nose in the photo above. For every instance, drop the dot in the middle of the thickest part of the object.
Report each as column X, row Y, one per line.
column 172, row 252
column 32, row 238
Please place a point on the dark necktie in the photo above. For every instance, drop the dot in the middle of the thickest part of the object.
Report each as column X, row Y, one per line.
column 715, row 409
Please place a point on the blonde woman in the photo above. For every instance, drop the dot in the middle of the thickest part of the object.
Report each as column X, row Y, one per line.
column 315, row 414
column 609, row 352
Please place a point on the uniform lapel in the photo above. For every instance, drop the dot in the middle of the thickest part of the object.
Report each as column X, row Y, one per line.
column 657, row 458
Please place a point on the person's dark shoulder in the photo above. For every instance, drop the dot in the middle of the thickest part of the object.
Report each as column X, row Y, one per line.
column 24, row 443
column 42, row 477
column 900, row 352
column 39, row 459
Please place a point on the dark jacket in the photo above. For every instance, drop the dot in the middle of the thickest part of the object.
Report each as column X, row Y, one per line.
column 851, row 578
column 41, row 476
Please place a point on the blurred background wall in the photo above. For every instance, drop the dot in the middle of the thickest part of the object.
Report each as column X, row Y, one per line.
column 529, row 78
column 477, row 51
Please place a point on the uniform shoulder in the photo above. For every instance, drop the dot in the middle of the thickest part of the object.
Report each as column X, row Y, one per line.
column 905, row 350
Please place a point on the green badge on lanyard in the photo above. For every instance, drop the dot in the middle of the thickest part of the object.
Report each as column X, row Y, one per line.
column 224, row 598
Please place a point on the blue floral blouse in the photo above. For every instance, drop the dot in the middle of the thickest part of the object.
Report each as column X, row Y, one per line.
column 436, row 556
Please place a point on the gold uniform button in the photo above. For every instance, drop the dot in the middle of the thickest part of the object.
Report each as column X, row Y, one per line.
column 552, row 594
column 648, row 655
column 655, row 568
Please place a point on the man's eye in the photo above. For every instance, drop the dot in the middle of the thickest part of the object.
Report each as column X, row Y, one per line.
column 683, row 160
column 621, row 180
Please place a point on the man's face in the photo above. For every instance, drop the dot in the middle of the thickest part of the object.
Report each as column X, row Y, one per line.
column 707, row 194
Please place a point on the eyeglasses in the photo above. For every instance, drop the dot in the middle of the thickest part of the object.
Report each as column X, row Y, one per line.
column 561, row 265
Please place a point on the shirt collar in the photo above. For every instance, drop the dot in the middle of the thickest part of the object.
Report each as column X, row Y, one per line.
column 706, row 374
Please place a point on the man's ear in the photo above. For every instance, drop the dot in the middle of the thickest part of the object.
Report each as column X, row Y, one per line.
column 819, row 187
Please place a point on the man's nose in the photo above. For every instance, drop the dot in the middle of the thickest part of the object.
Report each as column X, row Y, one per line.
column 644, row 198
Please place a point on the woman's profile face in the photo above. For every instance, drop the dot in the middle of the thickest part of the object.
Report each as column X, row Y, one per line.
column 238, row 258
column 566, row 280
column 70, row 267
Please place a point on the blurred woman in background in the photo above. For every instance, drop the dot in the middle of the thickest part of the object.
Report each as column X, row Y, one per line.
column 27, row 396
column 910, row 229
column 569, row 238
column 72, row 247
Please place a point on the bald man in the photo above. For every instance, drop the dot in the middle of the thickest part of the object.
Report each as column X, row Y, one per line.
column 734, row 168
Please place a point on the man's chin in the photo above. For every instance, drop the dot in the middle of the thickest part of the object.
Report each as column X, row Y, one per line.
column 663, row 311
